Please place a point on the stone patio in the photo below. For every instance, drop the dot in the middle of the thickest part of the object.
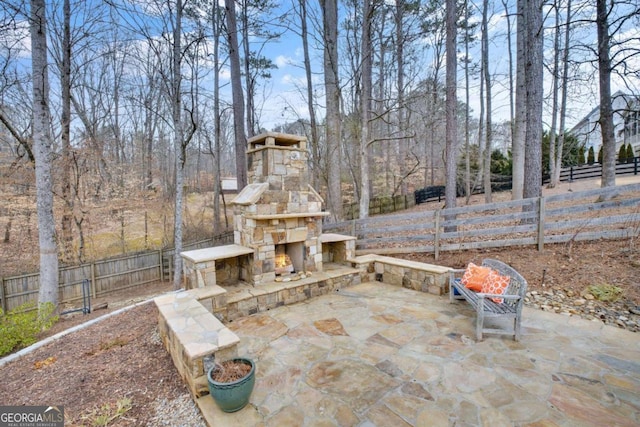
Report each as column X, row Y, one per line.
column 375, row 354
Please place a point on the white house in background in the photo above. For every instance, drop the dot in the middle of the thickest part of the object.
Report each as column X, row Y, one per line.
column 626, row 124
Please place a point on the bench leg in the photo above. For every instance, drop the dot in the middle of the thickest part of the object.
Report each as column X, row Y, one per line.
column 480, row 319
column 516, row 329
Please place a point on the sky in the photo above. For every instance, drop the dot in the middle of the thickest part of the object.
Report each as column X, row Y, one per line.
column 283, row 98
column 288, row 80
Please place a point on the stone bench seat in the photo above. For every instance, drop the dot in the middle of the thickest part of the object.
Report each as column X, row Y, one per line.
column 191, row 333
column 414, row 275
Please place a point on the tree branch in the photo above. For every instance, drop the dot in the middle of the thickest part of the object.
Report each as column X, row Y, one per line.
column 14, row 132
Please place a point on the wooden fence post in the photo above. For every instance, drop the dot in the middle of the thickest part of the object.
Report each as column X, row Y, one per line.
column 436, row 241
column 93, row 280
column 171, row 268
column 2, row 296
column 161, row 265
column 541, row 219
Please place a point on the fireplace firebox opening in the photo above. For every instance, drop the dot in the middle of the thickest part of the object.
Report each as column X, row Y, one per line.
column 289, row 258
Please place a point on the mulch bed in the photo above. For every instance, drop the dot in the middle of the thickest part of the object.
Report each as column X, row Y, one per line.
column 116, row 359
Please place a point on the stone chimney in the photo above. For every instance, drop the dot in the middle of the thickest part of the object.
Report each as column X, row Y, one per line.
column 278, row 214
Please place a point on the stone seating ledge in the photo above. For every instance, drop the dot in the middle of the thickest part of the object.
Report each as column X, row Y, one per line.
column 191, row 332
column 414, row 275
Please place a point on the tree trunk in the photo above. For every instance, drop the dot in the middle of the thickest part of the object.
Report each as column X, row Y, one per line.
column 315, row 141
column 451, row 106
column 402, row 127
column 365, row 107
column 236, row 92
column 332, row 91
column 248, row 78
column 42, row 141
column 487, row 82
column 65, row 135
column 510, row 51
column 217, row 189
column 563, row 102
column 467, row 113
column 481, row 132
column 178, row 145
column 606, row 111
column 518, row 143
column 554, row 96
column 533, row 82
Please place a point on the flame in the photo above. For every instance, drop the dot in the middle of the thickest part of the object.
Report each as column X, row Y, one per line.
column 282, row 260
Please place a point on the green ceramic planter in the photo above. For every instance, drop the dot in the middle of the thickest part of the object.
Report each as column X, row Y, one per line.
column 233, row 396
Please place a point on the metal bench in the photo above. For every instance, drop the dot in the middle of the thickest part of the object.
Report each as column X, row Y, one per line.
column 510, row 309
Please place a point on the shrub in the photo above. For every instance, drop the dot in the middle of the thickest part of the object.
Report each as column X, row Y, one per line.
column 630, row 154
column 20, row 327
column 605, row 292
column 622, row 154
column 591, row 156
column 600, row 155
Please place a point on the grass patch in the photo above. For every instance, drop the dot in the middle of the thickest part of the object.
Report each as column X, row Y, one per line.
column 108, row 413
column 118, row 342
column 20, row 327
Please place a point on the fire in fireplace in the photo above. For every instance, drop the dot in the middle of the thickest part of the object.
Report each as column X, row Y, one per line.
column 289, row 258
column 283, row 264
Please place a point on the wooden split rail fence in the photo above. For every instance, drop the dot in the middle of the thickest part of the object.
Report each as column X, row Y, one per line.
column 609, row 213
column 106, row 276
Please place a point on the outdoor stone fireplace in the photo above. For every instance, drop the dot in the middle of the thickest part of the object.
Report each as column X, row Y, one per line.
column 277, row 223
column 278, row 214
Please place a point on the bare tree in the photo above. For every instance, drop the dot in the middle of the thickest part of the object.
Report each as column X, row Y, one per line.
column 533, row 68
column 365, row 107
column 520, row 131
column 236, row 92
column 315, row 139
column 487, row 82
column 178, row 143
column 451, row 105
column 555, row 178
column 505, row 4
column 65, row 86
column 43, row 155
column 216, row 22
column 402, row 125
column 606, row 110
column 435, row 26
column 333, row 117
column 554, row 94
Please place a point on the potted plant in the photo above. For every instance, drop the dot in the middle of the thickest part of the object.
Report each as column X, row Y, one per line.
column 231, row 383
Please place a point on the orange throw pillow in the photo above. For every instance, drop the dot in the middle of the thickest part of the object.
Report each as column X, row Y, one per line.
column 495, row 284
column 474, row 276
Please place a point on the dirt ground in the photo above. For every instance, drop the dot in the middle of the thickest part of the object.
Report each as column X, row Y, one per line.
column 122, row 357
column 560, row 266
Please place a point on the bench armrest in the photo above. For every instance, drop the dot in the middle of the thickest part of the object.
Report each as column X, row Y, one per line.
column 456, row 273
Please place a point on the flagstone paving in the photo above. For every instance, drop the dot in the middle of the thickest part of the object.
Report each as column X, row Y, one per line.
column 379, row 355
